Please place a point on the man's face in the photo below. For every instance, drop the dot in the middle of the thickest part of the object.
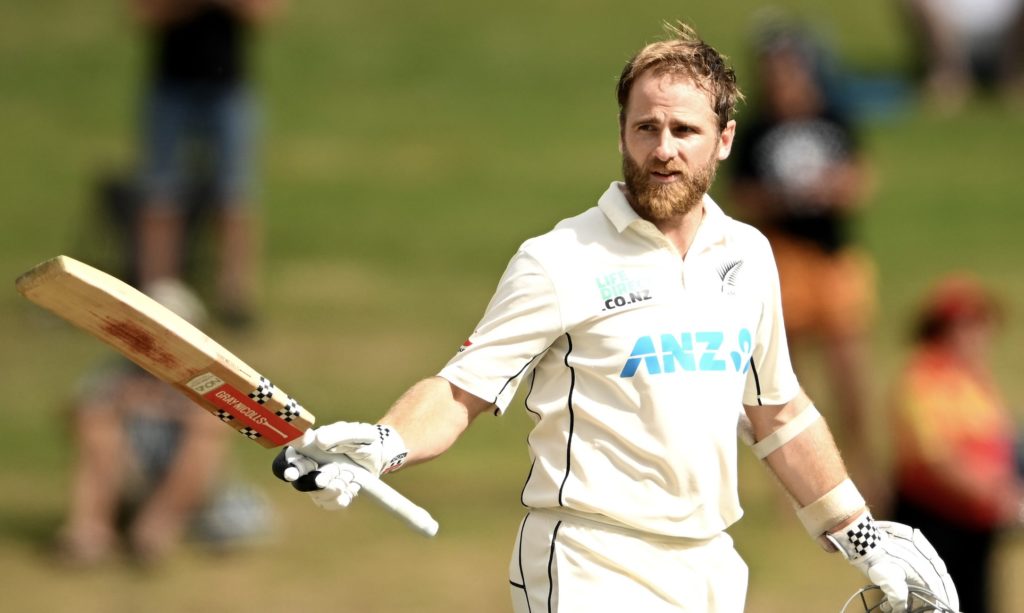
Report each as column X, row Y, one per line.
column 671, row 145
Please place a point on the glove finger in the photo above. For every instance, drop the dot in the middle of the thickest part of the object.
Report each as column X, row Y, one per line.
column 299, row 464
column 921, row 563
column 289, row 465
column 893, row 586
column 307, row 482
column 342, row 436
column 927, row 549
column 335, row 498
column 334, row 476
column 331, row 499
column 281, row 464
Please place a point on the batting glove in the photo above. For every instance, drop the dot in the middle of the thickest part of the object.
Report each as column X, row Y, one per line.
column 892, row 556
column 330, row 486
column 333, row 485
column 377, row 448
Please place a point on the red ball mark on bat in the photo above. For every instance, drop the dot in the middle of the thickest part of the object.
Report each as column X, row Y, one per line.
column 139, row 342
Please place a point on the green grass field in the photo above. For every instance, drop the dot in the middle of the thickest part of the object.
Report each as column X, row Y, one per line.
column 409, row 149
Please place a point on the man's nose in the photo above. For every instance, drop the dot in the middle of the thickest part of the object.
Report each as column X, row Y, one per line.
column 667, row 148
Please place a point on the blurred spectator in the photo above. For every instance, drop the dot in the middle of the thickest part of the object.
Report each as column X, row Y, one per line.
column 149, row 465
column 199, row 133
column 800, row 176
column 964, row 43
column 956, row 474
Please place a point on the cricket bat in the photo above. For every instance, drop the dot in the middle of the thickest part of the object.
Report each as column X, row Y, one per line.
column 178, row 353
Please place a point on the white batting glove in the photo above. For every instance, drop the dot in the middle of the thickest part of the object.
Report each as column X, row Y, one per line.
column 330, row 486
column 336, row 487
column 333, row 485
column 377, row 448
column 290, row 465
column 892, row 556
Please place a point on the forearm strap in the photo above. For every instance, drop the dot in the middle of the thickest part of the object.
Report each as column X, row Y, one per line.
column 787, row 432
column 824, row 514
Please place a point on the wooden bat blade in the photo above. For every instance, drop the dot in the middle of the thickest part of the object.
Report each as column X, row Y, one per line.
column 178, row 353
column 169, row 347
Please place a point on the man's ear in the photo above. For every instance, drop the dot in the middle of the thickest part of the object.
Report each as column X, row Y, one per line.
column 725, row 139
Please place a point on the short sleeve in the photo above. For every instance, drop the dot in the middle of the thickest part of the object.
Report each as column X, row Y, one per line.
column 521, row 321
column 771, row 379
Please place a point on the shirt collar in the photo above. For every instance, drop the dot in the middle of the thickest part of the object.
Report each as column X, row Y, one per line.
column 617, row 209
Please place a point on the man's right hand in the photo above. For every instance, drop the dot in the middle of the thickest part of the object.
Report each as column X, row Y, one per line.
column 330, row 486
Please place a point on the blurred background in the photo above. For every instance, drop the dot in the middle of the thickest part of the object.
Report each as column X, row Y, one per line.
column 405, row 150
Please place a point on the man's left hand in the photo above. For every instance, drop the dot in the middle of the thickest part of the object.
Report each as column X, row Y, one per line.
column 892, row 556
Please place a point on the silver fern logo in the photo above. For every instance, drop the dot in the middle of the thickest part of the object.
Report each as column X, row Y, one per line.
column 729, row 272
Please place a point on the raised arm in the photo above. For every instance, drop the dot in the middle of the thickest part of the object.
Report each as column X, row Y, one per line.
column 431, row 416
column 422, row 424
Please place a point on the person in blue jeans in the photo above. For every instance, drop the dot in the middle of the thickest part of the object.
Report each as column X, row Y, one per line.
column 199, row 130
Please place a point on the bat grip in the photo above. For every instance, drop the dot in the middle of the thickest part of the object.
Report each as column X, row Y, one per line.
column 386, row 496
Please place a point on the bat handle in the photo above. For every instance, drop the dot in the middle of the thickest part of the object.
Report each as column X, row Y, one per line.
column 388, row 497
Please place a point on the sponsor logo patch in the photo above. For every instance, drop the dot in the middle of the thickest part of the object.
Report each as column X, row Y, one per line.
column 697, row 351
column 619, row 289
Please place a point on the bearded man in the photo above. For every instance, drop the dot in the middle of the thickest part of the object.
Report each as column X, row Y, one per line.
column 648, row 331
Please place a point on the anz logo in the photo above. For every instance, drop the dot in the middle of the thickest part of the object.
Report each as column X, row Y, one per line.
column 707, row 351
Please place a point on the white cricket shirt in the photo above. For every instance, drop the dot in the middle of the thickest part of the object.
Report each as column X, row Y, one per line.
column 636, row 362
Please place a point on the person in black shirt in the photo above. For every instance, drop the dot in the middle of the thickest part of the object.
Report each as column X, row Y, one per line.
column 800, row 176
column 199, row 136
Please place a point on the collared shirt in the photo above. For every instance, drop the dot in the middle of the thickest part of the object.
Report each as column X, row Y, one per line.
column 636, row 360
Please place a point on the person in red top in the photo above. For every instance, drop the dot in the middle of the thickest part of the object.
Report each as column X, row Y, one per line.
column 956, row 472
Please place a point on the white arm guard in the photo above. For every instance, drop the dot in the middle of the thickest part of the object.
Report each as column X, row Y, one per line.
column 787, row 432
column 837, row 505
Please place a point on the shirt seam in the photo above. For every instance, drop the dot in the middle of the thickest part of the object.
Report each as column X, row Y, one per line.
column 554, row 290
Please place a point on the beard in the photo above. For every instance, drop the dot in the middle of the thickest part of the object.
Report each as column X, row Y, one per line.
column 656, row 202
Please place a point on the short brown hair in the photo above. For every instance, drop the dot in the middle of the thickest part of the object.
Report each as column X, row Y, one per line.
column 684, row 55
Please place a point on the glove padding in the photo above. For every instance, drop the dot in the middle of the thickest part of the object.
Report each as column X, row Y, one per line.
column 333, row 485
column 377, row 448
column 330, row 486
column 892, row 556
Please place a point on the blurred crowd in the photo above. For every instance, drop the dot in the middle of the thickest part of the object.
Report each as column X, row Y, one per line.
column 963, row 46
column 150, row 468
column 198, row 144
